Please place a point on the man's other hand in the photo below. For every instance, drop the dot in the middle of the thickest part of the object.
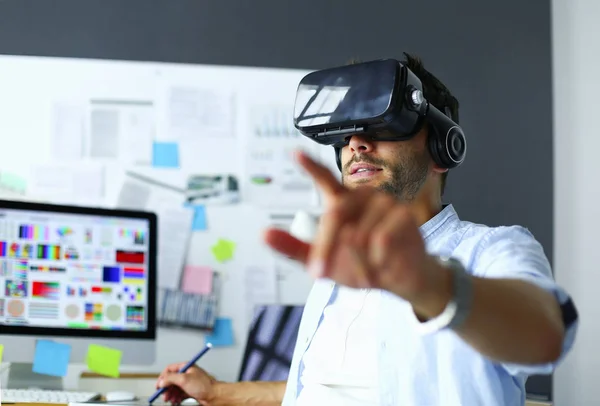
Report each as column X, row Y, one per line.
column 194, row 383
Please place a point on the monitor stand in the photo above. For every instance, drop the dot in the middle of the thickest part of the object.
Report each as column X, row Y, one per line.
column 21, row 376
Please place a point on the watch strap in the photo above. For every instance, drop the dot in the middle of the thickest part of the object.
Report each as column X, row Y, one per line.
column 458, row 308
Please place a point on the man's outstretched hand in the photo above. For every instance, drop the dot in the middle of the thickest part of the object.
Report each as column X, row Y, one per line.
column 366, row 239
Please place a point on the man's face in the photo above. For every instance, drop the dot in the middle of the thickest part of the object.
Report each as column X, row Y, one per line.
column 396, row 167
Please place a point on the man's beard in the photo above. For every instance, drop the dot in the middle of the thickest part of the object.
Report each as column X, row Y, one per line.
column 408, row 174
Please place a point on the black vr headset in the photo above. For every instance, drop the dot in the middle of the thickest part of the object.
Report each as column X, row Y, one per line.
column 381, row 99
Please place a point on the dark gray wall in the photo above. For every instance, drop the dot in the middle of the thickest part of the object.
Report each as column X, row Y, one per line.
column 495, row 56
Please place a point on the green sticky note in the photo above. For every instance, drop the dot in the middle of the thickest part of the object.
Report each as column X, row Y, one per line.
column 103, row 360
column 1, row 351
column 223, row 250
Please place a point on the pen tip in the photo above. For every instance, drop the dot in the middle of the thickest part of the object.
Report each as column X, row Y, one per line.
column 209, row 345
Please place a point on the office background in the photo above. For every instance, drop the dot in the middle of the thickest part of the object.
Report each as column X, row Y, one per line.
column 495, row 57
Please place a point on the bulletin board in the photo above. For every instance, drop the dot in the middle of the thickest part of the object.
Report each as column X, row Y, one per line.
column 205, row 147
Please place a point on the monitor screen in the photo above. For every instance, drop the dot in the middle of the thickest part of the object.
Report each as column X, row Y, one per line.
column 65, row 269
column 271, row 342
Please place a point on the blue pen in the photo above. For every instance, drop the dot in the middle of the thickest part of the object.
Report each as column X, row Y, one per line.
column 181, row 371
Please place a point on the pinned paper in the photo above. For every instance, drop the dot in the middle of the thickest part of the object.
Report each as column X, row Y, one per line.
column 223, row 250
column 104, row 360
column 1, row 351
column 51, row 358
column 165, row 155
column 197, row 279
column 222, row 334
column 199, row 223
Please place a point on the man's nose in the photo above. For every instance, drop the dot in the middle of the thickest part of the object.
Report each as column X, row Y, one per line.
column 359, row 144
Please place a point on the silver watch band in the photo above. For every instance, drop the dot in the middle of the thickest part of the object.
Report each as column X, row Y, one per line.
column 462, row 296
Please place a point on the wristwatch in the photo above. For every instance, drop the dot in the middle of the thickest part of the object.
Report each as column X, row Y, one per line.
column 458, row 308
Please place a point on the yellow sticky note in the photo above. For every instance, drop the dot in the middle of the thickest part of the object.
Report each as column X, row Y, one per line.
column 223, row 250
column 1, row 351
column 103, row 360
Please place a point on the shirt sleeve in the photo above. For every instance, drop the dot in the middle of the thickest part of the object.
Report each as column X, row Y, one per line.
column 514, row 253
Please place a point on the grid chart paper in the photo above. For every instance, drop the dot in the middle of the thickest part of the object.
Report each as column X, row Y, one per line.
column 189, row 310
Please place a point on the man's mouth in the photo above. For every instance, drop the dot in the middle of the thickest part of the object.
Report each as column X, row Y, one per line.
column 363, row 170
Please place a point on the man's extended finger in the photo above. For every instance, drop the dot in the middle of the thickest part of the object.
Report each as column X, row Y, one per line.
column 376, row 209
column 345, row 210
column 287, row 244
column 321, row 175
column 387, row 235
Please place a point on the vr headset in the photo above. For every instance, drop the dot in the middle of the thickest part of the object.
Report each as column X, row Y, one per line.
column 380, row 99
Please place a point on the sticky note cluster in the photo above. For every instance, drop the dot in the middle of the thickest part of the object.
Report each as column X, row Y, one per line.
column 199, row 221
column 222, row 334
column 223, row 250
column 104, row 360
column 51, row 358
column 165, row 155
column 197, row 280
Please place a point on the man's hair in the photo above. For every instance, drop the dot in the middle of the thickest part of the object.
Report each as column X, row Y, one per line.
column 433, row 90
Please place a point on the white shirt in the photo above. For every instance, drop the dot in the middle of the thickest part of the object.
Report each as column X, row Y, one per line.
column 439, row 368
column 340, row 366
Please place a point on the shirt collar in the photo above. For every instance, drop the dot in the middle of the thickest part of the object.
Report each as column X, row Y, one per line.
column 445, row 218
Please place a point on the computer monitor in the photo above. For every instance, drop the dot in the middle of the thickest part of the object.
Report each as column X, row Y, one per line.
column 271, row 342
column 75, row 275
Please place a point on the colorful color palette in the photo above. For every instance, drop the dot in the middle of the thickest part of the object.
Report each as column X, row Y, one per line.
column 133, row 276
column 45, row 290
column 93, row 312
column 64, row 231
column 138, row 237
column 135, row 314
column 32, row 232
column 111, row 274
column 49, row 252
column 15, row 288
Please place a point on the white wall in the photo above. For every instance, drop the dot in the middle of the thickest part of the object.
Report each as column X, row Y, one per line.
column 576, row 60
column 76, row 81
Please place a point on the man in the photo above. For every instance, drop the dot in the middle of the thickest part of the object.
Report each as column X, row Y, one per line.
column 389, row 321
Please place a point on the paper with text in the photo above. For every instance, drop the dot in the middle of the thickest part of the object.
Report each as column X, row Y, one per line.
column 68, row 126
column 272, row 177
column 134, row 195
column 174, row 231
column 260, row 285
column 194, row 112
column 121, row 130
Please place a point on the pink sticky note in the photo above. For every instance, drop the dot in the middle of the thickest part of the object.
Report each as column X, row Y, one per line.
column 197, row 279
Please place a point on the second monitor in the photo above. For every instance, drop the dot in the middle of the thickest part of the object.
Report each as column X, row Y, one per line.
column 76, row 275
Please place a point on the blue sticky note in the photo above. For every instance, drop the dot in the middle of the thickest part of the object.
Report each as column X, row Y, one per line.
column 222, row 334
column 199, row 223
column 165, row 155
column 51, row 358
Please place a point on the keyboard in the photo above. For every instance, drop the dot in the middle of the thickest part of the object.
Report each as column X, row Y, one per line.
column 45, row 396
